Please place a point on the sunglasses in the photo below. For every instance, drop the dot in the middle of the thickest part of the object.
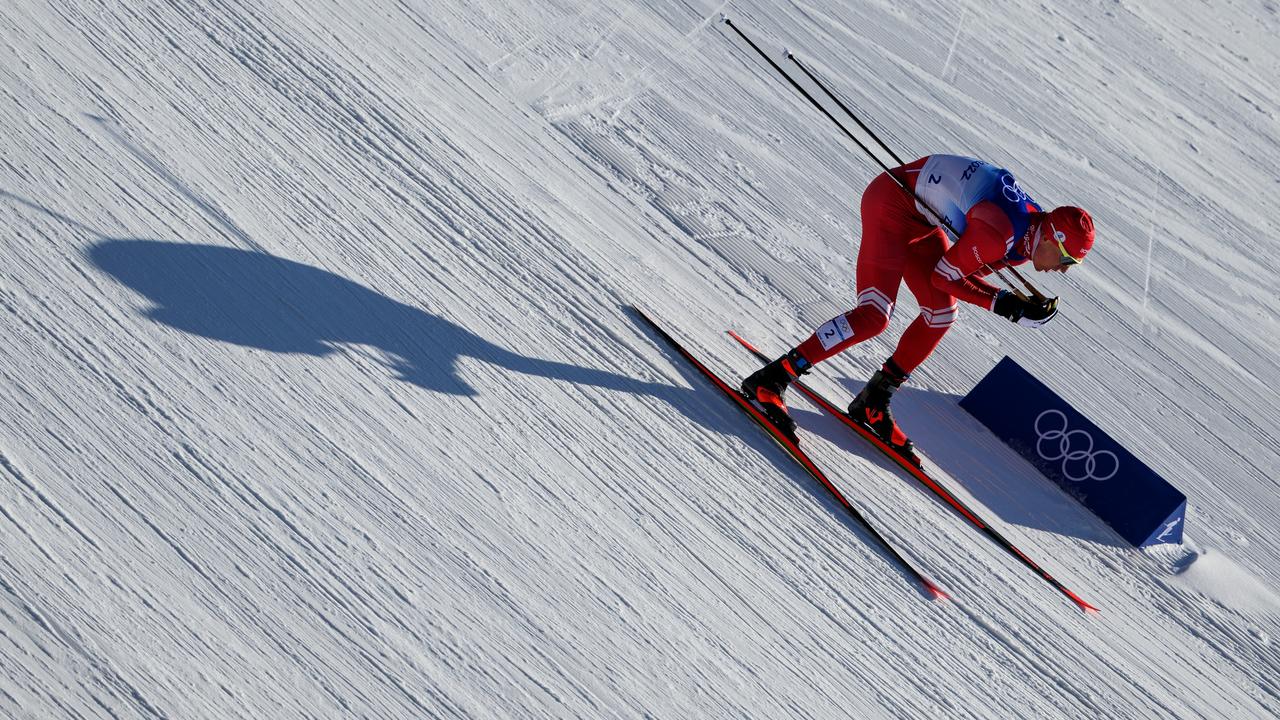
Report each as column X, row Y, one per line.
column 1060, row 238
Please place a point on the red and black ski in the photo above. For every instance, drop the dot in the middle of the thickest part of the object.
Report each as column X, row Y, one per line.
column 918, row 473
column 793, row 448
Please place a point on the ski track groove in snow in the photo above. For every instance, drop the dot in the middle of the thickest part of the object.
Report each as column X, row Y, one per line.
column 323, row 400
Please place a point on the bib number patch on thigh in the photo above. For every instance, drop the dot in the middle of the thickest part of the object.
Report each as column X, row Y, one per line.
column 834, row 331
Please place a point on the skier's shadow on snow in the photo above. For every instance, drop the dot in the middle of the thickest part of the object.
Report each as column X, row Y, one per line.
column 261, row 301
column 1005, row 484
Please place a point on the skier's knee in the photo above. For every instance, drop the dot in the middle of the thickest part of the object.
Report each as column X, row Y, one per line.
column 939, row 318
column 871, row 316
column 867, row 322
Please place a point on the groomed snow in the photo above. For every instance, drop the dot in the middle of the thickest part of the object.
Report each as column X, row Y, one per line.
column 320, row 399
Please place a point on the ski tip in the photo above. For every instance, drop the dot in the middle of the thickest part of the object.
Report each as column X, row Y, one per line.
column 935, row 592
column 742, row 340
column 1086, row 607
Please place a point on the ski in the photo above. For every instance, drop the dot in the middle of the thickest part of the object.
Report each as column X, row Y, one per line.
column 929, row 482
column 793, row 449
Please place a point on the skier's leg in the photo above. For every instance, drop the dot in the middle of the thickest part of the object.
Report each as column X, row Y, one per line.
column 879, row 275
column 889, row 223
column 937, row 308
column 937, row 311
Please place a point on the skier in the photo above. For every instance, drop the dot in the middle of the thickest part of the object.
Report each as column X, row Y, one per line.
column 998, row 225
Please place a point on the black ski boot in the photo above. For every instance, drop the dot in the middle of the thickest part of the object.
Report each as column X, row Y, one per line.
column 767, row 385
column 871, row 408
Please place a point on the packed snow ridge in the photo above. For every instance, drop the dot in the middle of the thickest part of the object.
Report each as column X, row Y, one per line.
column 321, row 399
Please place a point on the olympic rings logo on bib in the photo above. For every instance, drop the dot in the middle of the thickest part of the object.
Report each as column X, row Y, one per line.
column 1011, row 190
column 1075, row 449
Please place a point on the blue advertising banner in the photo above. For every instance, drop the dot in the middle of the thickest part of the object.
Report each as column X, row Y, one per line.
column 1074, row 453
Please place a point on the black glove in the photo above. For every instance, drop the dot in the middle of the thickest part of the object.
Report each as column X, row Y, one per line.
column 1030, row 312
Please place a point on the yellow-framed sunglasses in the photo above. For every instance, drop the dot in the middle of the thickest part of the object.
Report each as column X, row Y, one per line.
column 1061, row 238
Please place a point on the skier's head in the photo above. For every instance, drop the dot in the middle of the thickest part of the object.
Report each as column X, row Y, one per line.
column 1064, row 237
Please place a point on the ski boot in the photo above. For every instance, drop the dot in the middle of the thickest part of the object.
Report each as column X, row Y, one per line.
column 871, row 409
column 766, row 386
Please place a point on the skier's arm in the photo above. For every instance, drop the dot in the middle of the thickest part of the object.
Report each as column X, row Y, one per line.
column 991, row 267
column 959, row 272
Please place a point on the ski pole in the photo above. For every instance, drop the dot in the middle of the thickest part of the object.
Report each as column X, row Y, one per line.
column 1038, row 295
column 1021, row 295
column 1035, row 292
column 945, row 224
column 791, row 56
column 725, row 19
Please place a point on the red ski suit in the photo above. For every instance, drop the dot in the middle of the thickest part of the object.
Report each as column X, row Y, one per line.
column 900, row 242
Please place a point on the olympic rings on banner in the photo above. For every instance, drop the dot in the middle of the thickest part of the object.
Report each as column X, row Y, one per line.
column 1074, row 448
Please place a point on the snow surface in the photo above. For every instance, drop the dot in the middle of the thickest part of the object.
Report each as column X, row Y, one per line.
column 320, row 400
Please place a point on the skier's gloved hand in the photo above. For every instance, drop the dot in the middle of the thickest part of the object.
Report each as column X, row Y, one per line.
column 1029, row 313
